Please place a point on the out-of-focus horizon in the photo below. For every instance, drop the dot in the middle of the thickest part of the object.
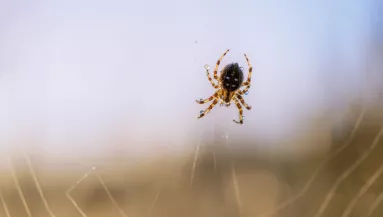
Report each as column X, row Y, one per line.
column 113, row 84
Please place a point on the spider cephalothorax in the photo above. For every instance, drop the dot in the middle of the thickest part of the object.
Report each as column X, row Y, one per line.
column 229, row 87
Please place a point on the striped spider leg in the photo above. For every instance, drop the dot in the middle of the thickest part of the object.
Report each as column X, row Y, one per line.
column 215, row 96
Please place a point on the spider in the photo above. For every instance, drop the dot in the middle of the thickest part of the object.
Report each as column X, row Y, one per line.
column 228, row 88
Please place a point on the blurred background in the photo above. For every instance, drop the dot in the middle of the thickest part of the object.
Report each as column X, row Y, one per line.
column 98, row 111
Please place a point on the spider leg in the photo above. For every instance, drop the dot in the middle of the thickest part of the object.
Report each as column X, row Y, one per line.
column 203, row 101
column 216, row 86
column 217, row 65
column 240, row 112
column 241, row 92
column 203, row 113
column 246, row 83
column 248, row 107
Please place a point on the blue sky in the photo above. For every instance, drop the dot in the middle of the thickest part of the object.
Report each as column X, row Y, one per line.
column 83, row 71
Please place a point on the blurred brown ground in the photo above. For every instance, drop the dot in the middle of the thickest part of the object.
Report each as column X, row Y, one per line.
column 225, row 182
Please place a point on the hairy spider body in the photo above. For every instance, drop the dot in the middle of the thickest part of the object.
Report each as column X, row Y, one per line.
column 230, row 82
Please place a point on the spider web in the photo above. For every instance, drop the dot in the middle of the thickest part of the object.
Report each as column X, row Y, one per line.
column 237, row 205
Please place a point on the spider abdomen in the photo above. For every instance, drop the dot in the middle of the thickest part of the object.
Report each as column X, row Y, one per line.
column 231, row 77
